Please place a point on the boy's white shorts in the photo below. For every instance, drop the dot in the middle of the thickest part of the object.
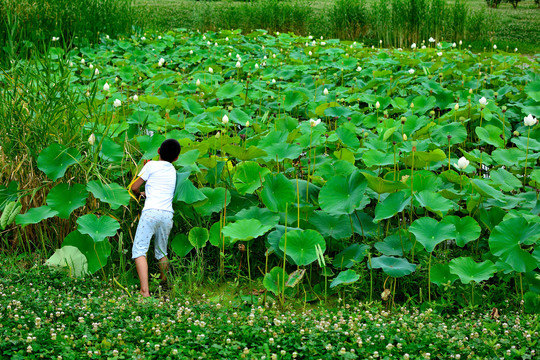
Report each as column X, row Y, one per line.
column 152, row 222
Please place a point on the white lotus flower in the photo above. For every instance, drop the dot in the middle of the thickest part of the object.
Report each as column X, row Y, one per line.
column 256, row 66
column 456, row 107
column 55, row 38
column 273, row 81
column 483, row 101
column 462, row 163
column 225, row 119
column 143, row 38
column 313, row 122
column 159, row 37
column 494, row 47
column 325, row 91
column 377, row 105
column 70, row 64
column 210, row 70
column 135, row 98
column 423, row 46
column 82, row 61
column 516, row 49
column 310, row 53
column 359, row 69
column 313, row 43
column 238, row 65
column 439, row 53
column 190, row 52
column 460, row 42
column 529, row 120
column 92, row 139
column 91, row 66
column 380, row 41
column 204, row 37
column 310, row 37
column 411, row 71
column 323, row 43
column 227, row 39
column 198, row 83
column 274, row 56
column 454, row 44
column 106, row 87
column 208, row 43
column 431, row 40
column 117, row 103
column 107, row 37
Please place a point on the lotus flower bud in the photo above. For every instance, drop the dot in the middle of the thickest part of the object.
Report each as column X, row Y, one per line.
column 462, row 163
column 411, row 71
column 82, row 61
column 218, row 135
column 135, row 98
column 256, row 66
column 225, row 119
column 91, row 66
column 413, row 46
column 470, row 91
column 198, row 82
column 412, row 105
column 210, row 70
column 92, row 139
column 483, row 102
column 404, row 137
column 516, row 133
column 456, row 107
column 529, row 120
column 96, row 72
column 313, row 122
column 494, row 47
column 377, row 105
column 106, row 87
column 247, row 123
column 117, row 103
column 325, row 91
column 238, row 65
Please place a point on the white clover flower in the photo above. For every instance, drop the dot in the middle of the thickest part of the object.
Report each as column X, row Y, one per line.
column 117, row 103
column 529, row 120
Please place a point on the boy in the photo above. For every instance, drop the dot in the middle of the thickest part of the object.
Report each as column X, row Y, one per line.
column 157, row 214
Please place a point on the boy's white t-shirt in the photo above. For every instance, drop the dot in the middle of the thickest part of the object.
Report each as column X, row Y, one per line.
column 160, row 177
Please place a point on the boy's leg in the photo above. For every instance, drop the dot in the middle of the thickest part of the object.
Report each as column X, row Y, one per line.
column 142, row 271
column 161, row 241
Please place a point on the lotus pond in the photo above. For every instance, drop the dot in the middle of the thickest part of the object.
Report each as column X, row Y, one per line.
column 310, row 168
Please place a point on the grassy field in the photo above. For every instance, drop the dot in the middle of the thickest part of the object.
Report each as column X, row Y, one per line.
column 505, row 26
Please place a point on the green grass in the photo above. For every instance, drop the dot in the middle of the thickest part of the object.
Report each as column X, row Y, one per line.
column 505, row 26
column 68, row 318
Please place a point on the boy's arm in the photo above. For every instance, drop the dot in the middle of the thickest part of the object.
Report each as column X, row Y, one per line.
column 136, row 186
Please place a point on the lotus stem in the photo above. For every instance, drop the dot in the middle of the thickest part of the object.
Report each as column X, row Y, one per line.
column 249, row 271
column 298, row 199
column 370, row 278
column 526, row 157
column 284, row 256
column 429, row 276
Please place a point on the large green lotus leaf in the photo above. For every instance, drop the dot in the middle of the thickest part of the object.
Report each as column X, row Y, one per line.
column 468, row 270
column 239, row 117
column 70, row 257
column 392, row 266
column 457, row 133
column 242, row 154
column 264, row 215
column 282, row 151
column 112, row 194
column 429, row 232
column 55, row 159
column 348, row 138
column 345, row 277
column 300, row 245
column 467, row 229
column 278, row 192
column 144, row 117
column 192, row 106
column 96, row 253
column 350, row 256
column 98, row 228
column 111, row 151
column 491, row 135
column 434, row 202
column 423, row 158
column 506, row 180
column 198, row 237
column 293, row 99
column 342, row 195
column 393, row 204
column 396, row 244
column 274, row 281
column 533, row 90
column 64, row 198
column 335, row 226
column 244, row 230
column 248, row 177
column 507, row 157
column 188, row 158
column 440, row 275
column 150, row 145
column 180, row 245
column 505, row 241
column 486, row 190
column 35, row 215
column 336, row 168
column 216, row 201
column 374, row 157
column 186, row 192
column 382, row 186
column 229, row 90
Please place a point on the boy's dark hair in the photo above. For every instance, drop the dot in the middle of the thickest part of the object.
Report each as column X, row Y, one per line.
column 169, row 150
